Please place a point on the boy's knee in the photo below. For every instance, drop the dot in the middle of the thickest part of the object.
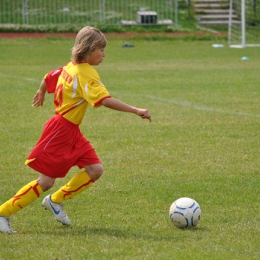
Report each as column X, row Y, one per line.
column 94, row 171
column 45, row 183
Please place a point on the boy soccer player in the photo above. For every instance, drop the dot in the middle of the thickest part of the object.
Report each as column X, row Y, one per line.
column 62, row 145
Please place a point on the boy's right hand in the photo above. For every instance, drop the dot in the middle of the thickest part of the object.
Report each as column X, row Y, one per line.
column 38, row 99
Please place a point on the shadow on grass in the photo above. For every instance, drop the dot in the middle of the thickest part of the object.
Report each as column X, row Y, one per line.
column 116, row 232
column 126, row 234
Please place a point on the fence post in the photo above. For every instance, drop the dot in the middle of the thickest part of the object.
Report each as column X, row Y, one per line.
column 102, row 10
column 25, row 12
column 176, row 13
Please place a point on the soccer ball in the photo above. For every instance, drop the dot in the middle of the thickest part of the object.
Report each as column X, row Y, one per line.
column 185, row 213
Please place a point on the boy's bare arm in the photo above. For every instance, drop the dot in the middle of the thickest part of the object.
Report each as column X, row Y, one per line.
column 39, row 97
column 121, row 106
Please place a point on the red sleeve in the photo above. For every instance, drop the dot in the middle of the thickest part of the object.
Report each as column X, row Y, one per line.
column 51, row 79
column 98, row 104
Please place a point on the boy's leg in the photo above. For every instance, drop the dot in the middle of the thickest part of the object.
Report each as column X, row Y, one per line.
column 53, row 203
column 76, row 185
column 25, row 196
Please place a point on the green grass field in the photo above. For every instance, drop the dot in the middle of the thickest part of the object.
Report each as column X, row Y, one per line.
column 203, row 143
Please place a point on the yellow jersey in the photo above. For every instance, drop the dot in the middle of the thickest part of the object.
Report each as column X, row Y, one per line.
column 76, row 85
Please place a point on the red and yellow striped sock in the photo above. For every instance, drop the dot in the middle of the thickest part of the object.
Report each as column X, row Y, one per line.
column 25, row 196
column 76, row 185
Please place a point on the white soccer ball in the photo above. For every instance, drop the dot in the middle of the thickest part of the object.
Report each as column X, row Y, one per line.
column 185, row 213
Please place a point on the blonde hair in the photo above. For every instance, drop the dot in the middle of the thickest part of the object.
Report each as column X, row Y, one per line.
column 87, row 40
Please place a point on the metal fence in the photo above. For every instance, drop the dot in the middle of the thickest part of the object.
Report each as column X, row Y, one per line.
column 87, row 12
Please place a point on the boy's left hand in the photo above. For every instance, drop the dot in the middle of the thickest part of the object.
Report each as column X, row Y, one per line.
column 144, row 114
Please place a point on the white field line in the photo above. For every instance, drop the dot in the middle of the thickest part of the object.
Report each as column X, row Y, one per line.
column 17, row 77
column 182, row 103
column 203, row 108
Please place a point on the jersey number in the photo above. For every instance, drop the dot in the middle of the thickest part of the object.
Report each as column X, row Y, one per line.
column 58, row 96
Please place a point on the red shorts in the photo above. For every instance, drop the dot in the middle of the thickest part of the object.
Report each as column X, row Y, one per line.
column 60, row 147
